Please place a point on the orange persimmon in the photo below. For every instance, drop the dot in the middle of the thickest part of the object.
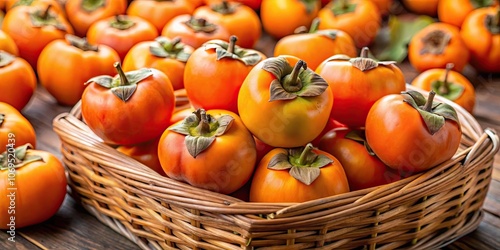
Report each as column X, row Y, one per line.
column 427, row 7
column 18, row 80
column 84, row 13
column 234, row 16
column 7, row 44
column 194, row 31
column 481, row 35
column 324, row 43
column 281, row 17
column 448, row 83
column 454, row 12
column 436, row 45
column 121, row 32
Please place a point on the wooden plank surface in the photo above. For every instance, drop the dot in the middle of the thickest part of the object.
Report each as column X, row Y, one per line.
column 73, row 228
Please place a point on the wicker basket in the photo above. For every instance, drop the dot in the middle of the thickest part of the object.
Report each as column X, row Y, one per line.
column 424, row 211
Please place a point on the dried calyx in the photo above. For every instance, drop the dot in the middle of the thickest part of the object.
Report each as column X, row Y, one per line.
column 435, row 42
column 433, row 113
column 45, row 17
column 122, row 22
column 18, row 158
column 200, row 25
column 303, row 164
column 92, row 5
column 230, row 50
column 175, row 49
column 201, row 129
column 446, row 88
column 81, row 43
column 292, row 82
column 124, row 84
column 224, row 7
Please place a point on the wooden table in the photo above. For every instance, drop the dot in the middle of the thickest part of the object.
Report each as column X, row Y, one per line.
column 73, row 228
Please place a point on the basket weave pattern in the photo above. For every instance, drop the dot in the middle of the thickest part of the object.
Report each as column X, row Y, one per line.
column 427, row 210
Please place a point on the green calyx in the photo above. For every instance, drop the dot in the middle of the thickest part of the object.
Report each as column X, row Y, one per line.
column 340, row 7
column 435, row 42
column 481, row 3
column 92, row 5
column 200, row 25
column 433, row 113
column 6, row 58
column 14, row 158
column 201, row 129
column 121, row 22
column 124, row 84
column 303, row 164
column 40, row 18
column 81, row 43
column 493, row 22
column 292, row 82
column 223, row 8
column 232, row 51
column 447, row 89
column 169, row 49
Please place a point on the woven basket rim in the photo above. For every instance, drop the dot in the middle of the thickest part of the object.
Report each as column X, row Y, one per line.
column 74, row 131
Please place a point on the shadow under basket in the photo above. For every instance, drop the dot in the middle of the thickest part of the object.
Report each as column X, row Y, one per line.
column 427, row 210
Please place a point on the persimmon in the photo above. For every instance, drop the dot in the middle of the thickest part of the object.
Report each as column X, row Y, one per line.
column 427, row 7
column 357, row 83
column 121, row 32
column 130, row 108
column 360, row 19
column 194, row 31
column 167, row 55
column 448, row 83
column 324, row 43
column 234, row 16
column 436, row 45
column 284, row 103
column 159, row 13
column 420, row 132
column 215, row 72
column 209, row 149
column 481, row 35
column 15, row 128
column 7, row 44
column 363, row 169
column 33, row 27
column 84, row 13
column 454, row 12
column 18, row 82
column 281, row 17
column 297, row 175
column 60, row 67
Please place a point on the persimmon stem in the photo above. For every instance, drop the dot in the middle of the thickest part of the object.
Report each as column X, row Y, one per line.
column 232, row 43
column 292, row 82
column 345, row 4
column 2, row 118
column 305, row 152
column 445, row 88
column 204, row 125
column 123, row 77
column 430, row 100
column 314, row 25
column 170, row 46
column 364, row 52
column 45, row 14
column 225, row 6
